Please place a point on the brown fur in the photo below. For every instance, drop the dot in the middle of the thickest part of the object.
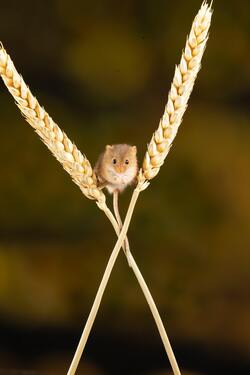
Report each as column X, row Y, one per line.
column 118, row 175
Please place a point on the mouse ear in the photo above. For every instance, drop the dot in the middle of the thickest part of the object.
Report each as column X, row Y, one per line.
column 134, row 148
column 108, row 147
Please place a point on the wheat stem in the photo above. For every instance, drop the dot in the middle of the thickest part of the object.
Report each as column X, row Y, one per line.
column 116, row 208
column 156, row 316
column 119, row 221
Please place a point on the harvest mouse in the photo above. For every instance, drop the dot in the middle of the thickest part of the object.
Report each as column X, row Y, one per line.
column 116, row 167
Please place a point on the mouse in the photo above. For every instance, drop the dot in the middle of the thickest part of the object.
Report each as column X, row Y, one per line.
column 117, row 167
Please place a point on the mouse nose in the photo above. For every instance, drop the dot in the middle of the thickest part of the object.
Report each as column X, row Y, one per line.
column 120, row 168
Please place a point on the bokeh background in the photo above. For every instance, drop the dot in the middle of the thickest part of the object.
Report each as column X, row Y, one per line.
column 103, row 69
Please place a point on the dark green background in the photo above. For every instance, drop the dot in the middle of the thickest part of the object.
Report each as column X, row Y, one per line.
column 103, row 69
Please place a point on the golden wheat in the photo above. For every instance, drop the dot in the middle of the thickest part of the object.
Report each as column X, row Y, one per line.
column 181, row 88
column 80, row 169
column 72, row 160
column 82, row 174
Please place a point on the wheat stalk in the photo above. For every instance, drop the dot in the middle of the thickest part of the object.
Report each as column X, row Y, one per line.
column 78, row 166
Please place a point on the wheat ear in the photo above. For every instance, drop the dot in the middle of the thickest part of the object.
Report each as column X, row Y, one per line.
column 181, row 88
column 76, row 164
column 81, row 172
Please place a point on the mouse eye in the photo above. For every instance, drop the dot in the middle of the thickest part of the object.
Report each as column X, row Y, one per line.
column 114, row 161
column 126, row 161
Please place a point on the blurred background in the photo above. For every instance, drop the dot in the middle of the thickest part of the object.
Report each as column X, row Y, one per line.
column 103, row 69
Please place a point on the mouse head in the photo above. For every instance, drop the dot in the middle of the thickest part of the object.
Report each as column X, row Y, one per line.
column 121, row 163
column 122, row 157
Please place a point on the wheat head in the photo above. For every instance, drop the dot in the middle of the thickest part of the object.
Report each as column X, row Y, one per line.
column 181, row 88
column 72, row 160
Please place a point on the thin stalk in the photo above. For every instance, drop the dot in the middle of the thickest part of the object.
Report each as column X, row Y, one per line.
column 116, row 208
column 156, row 315
column 102, row 286
column 119, row 221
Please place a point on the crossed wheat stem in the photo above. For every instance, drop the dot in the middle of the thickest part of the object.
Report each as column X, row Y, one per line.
column 81, row 172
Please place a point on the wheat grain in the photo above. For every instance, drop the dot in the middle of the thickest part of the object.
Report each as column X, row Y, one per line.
column 181, row 88
column 72, row 160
